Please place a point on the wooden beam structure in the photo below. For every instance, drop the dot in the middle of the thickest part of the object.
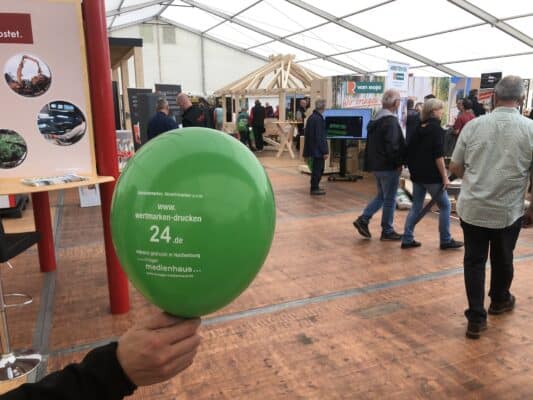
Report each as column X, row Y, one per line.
column 281, row 77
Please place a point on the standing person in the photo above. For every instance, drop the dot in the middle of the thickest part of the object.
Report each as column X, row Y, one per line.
column 269, row 111
column 413, row 119
column 218, row 116
column 477, row 107
column 425, row 159
column 300, row 117
column 384, row 156
column 493, row 155
column 466, row 114
column 316, row 145
column 258, row 124
column 192, row 114
column 242, row 126
column 161, row 122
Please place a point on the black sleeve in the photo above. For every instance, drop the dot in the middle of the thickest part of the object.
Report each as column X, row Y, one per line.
column 308, row 137
column 438, row 143
column 150, row 131
column 322, row 139
column 394, row 142
column 98, row 376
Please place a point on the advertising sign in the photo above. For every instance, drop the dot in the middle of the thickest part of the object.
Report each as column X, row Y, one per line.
column 398, row 77
column 46, row 125
column 353, row 87
column 489, row 81
column 133, row 97
column 173, row 195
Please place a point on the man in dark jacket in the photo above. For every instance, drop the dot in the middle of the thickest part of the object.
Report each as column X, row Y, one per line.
column 258, row 124
column 192, row 114
column 316, row 145
column 477, row 107
column 161, row 122
column 384, row 156
column 413, row 119
column 300, row 117
column 152, row 351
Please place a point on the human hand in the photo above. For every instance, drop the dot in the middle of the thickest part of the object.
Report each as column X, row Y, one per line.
column 326, row 156
column 445, row 182
column 158, row 348
column 527, row 221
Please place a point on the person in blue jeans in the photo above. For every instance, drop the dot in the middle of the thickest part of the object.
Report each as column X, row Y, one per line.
column 384, row 156
column 425, row 159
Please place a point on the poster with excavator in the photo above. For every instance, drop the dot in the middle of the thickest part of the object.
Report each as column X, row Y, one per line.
column 46, row 124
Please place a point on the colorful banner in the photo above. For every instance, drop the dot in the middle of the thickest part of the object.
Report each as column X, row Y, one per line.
column 46, row 125
column 398, row 77
column 346, row 95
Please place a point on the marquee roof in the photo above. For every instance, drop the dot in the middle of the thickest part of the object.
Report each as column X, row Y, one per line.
column 335, row 37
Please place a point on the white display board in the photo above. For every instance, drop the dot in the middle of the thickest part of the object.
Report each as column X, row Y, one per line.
column 398, row 77
column 46, row 124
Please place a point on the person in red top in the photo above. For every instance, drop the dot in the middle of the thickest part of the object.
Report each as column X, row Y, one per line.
column 466, row 114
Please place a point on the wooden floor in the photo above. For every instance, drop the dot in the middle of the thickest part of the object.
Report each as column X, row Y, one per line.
column 330, row 316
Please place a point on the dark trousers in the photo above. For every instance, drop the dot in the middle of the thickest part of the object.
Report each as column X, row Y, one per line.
column 477, row 242
column 300, row 133
column 316, row 172
column 245, row 137
column 258, row 134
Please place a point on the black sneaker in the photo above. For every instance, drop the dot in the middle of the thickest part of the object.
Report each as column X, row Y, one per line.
column 362, row 227
column 452, row 244
column 410, row 245
column 474, row 329
column 317, row 192
column 393, row 236
column 500, row 308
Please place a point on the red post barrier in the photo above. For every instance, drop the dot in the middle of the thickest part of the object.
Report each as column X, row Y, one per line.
column 43, row 225
column 105, row 138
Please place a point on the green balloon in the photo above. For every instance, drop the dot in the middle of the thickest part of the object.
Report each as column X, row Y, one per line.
column 192, row 219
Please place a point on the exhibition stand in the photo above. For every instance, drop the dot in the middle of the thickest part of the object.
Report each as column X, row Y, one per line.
column 54, row 138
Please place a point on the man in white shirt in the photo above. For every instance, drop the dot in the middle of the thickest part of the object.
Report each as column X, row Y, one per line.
column 494, row 156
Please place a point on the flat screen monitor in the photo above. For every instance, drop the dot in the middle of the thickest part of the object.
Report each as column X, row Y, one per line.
column 348, row 122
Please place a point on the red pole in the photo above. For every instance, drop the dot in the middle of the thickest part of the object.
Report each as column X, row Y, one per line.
column 43, row 225
column 105, row 139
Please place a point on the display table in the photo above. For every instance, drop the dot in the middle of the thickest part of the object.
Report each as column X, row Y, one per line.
column 342, row 176
column 285, row 130
column 41, row 211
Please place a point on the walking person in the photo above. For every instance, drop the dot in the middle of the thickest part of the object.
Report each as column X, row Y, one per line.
column 493, row 155
column 384, row 156
column 425, row 159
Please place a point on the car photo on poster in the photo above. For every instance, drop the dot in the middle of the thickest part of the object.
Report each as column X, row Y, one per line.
column 13, row 149
column 27, row 75
column 61, row 123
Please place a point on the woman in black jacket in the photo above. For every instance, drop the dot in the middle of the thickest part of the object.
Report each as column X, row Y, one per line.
column 425, row 159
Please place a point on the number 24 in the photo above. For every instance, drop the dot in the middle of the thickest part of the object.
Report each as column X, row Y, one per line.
column 165, row 234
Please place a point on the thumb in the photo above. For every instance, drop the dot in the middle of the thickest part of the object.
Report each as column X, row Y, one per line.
column 161, row 320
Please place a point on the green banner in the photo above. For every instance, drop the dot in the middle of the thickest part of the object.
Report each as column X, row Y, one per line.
column 369, row 87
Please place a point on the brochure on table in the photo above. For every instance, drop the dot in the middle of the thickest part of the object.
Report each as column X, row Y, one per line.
column 46, row 125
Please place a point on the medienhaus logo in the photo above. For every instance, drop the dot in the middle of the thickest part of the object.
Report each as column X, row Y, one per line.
column 15, row 28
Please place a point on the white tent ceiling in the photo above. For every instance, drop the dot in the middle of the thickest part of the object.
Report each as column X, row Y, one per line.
column 436, row 37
